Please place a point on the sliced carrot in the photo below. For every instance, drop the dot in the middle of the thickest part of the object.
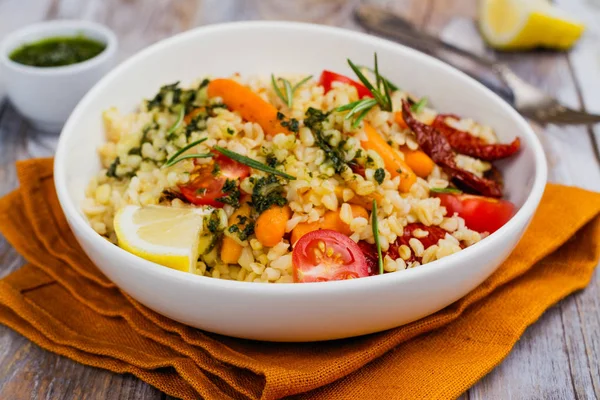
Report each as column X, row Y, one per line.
column 333, row 221
column 418, row 161
column 302, row 229
column 230, row 249
column 270, row 225
column 394, row 164
column 250, row 105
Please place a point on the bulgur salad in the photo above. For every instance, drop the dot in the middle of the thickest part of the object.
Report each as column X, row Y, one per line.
column 289, row 178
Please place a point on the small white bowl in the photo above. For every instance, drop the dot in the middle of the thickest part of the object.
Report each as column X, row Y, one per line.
column 303, row 311
column 47, row 95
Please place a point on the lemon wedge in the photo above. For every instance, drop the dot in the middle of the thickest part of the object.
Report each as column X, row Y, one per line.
column 165, row 235
column 525, row 24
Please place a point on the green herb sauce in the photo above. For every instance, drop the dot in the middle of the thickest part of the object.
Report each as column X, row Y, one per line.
column 57, row 51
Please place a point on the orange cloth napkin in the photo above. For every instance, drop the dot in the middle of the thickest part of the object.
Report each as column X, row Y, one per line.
column 63, row 303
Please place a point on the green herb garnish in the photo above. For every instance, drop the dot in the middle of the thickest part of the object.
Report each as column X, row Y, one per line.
column 314, row 120
column 375, row 225
column 111, row 172
column 252, row 163
column 178, row 122
column 232, row 193
column 381, row 95
column 419, row 106
column 288, row 97
column 379, row 175
column 188, row 156
column 445, row 190
column 173, row 159
column 267, row 192
column 392, row 87
column 247, row 229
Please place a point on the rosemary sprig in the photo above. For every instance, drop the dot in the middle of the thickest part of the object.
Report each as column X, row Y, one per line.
column 419, row 106
column 288, row 98
column 185, row 157
column 178, row 122
column 171, row 160
column 381, row 95
column 391, row 85
column 445, row 190
column 375, row 226
column 252, row 163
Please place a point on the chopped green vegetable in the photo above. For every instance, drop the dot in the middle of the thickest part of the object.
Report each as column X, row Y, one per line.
column 419, row 106
column 375, row 226
column 252, row 163
column 172, row 159
column 445, row 190
column 379, row 175
column 267, row 191
column 289, row 89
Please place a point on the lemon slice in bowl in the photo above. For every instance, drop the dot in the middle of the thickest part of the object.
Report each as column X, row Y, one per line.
column 525, row 24
column 165, row 235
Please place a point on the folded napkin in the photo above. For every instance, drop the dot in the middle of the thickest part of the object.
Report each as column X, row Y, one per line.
column 63, row 303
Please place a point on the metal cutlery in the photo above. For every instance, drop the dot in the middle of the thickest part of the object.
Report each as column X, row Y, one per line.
column 524, row 97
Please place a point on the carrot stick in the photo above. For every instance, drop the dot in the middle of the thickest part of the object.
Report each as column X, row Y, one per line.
column 418, row 161
column 302, row 229
column 250, row 105
column 270, row 225
column 394, row 164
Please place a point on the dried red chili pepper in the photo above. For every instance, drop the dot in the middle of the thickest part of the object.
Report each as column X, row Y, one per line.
column 435, row 233
column 436, row 146
column 465, row 143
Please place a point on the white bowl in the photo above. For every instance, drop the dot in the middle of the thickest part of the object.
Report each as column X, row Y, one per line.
column 46, row 96
column 294, row 312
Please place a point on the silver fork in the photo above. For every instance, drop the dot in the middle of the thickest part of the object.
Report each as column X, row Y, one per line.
column 524, row 97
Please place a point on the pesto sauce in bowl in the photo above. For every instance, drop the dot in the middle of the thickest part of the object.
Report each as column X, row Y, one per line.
column 57, row 51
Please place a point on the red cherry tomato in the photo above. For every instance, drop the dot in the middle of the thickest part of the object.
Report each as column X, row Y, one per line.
column 328, row 77
column 231, row 169
column 482, row 214
column 207, row 182
column 327, row 255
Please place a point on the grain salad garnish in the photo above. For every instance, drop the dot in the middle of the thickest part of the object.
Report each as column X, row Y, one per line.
column 285, row 178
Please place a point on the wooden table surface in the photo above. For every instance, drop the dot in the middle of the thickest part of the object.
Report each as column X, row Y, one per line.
column 557, row 358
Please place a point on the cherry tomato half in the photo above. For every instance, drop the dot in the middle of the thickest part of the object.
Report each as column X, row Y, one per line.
column 328, row 77
column 327, row 255
column 207, row 180
column 481, row 214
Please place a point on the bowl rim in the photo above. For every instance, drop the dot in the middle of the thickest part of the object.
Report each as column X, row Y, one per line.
column 78, row 221
column 49, row 29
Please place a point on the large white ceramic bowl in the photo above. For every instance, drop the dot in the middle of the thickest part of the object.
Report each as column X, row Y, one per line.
column 294, row 312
